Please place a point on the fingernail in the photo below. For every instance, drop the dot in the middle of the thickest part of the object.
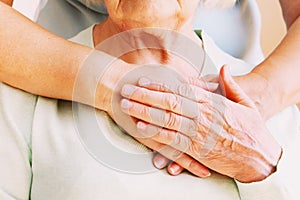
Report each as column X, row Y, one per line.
column 200, row 170
column 144, row 81
column 125, row 104
column 127, row 90
column 207, row 175
column 174, row 169
column 141, row 126
column 159, row 163
column 212, row 86
column 146, row 130
column 204, row 174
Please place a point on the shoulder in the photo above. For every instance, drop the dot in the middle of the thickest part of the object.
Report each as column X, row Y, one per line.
column 219, row 58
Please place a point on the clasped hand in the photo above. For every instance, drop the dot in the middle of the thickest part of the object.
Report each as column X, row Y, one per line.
column 226, row 135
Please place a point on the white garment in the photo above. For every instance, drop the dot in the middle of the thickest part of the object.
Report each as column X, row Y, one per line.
column 41, row 155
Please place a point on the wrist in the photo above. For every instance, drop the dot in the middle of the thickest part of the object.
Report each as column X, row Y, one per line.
column 110, row 83
column 260, row 91
column 95, row 80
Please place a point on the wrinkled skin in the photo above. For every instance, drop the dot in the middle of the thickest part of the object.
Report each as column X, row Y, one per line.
column 119, row 20
column 172, row 14
column 228, row 137
column 243, row 138
column 123, row 16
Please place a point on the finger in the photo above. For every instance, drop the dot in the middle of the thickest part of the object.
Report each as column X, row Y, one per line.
column 174, row 169
column 210, row 86
column 168, row 137
column 155, row 85
column 208, row 82
column 162, row 118
column 232, row 90
column 183, row 160
column 210, row 78
column 160, row 161
column 187, row 90
column 166, row 101
column 172, row 138
column 190, row 164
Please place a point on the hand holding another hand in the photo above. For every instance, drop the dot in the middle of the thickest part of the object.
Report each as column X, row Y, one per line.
column 226, row 135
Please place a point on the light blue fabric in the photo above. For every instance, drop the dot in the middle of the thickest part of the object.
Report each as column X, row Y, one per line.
column 66, row 18
column 98, row 6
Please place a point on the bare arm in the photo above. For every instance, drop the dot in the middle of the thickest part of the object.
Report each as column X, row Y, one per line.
column 290, row 11
column 274, row 84
column 8, row 2
column 42, row 63
column 34, row 59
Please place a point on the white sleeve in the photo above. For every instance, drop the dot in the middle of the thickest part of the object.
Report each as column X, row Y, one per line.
column 16, row 115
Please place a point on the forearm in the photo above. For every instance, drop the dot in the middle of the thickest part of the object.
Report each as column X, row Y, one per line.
column 274, row 84
column 35, row 60
column 282, row 68
column 290, row 11
column 8, row 2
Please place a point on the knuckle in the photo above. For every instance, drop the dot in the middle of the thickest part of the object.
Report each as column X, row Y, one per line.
column 194, row 109
column 197, row 151
column 173, row 102
column 184, row 90
column 170, row 152
column 182, row 142
column 177, row 139
column 171, row 120
column 142, row 94
column 176, row 154
column 144, row 112
column 192, row 128
column 192, row 80
column 164, row 87
column 197, row 82
column 193, row 164
column 164, row 134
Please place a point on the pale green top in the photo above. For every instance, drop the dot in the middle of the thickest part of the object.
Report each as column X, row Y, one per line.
column 43, row 157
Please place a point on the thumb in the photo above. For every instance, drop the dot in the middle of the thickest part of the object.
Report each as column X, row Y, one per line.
column 231, row 90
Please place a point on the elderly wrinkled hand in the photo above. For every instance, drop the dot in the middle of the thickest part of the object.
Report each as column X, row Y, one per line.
column 228, row 137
